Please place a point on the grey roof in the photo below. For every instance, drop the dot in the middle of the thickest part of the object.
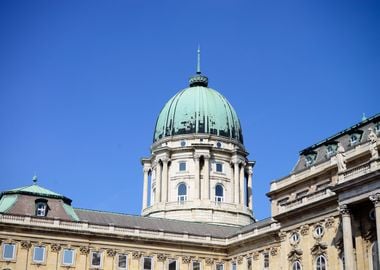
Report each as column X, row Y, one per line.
column 342, row 137
column 162, row 224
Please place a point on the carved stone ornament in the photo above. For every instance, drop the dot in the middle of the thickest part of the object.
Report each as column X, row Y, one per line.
column 281, row 236
column 161, row 257
column 84, row 250
column 209, row 261
column 329, row 223
column 136, row 255
column 295, row 254
column 341, row 158
column 111, row 252
column 25, row 244
column 304, row 230
column 319, row 249
column 274, row 251
column 240, row 260
column 186, row 259
column 343, row 209
column 255, row 255
column 369, row 235
column 375, row 198
column 55, row 247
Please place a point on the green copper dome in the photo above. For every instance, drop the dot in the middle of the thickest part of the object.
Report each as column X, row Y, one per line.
column 198, row 110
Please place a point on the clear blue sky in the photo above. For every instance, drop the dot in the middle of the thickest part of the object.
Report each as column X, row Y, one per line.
column 82, row 82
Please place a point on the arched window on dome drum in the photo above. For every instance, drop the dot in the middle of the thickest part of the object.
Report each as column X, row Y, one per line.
column 296, row 265
column 320, row 263
column 182, row 193
column 219, row 193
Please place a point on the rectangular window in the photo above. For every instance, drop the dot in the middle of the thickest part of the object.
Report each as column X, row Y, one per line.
column 233, row 266
column 283, row 201
column 219, row 266
column 301, row 194
column 196, row 266
column 249, row 264
column 322, row 186
column 266, row 260
column 147, row 263
column 39, row 254
column 219, row 167
column 96, row 259
column 182, row 166
column 172, row 265
column 9, row 251
column 122, row 261
column 68, row 256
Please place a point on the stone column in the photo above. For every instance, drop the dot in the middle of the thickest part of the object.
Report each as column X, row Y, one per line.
column 241, row 184
column 164, row 195
column 206, row 180
column 347, row 238
column 236, row 181
column 157, row 196
column 249, row 188
column 376, row 201
column 145, row 189
column 196, row 177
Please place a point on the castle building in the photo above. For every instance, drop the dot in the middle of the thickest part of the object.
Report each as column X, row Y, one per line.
column 197, row 211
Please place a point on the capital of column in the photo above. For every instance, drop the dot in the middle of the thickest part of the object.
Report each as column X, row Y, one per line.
column 197, row 156
column 165, row 159
column 250, row 170
column 238, row 161
column 344, row 210
column 146, row 170
column 375, row 198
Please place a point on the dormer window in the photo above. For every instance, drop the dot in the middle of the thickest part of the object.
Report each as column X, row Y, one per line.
column 310, row 159
column 41, row 207
column 377, row 128
column 355, row 138
column 331, row 149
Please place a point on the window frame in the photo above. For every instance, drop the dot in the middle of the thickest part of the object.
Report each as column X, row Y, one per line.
column 38, row 205
column 219, row 265
column 319, row 231
column 173, row 261
column 316, row 263
column 219, row 168
column 91, row 259
column 198, row 262
column 182, row 166
column 358, row 137
column 13, row 251
column 143, row 262
column 181, row 198
column 266, row 263
column 295, row 238
column 63, row 257
column 296, row 265
column 233, row 265
column 218, row 198
column 43, row 255
column 126, row 261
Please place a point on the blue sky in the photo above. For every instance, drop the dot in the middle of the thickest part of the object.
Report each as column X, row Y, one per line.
column 82, row 82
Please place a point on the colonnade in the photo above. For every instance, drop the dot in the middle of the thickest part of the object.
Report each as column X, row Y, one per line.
column 241, row 180
column 345, row 212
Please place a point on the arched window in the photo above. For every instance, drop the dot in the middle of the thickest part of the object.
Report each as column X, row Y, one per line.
column 320, row 263
column 182, row 192
column 219, row 193
column 296, row 265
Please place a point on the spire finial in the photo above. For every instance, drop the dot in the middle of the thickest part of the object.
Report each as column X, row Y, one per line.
column 199, row 60
column 364, row 117
column 34, row 179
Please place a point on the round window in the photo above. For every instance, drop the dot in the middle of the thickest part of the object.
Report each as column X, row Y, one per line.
column 183, row 143
column 294, row 238
column 372, row 215
column 319, row 231
column 219, row 144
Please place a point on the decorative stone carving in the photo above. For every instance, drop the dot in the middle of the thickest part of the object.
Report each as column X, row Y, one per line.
column 304, row 230
column 372, row 138
column 295, row 254
column 281, row 236
column 186, row 259
column 319, row 249
column 136, row 255
column 55, row 247
column 111, row 252
column 329, row 223
column 343, row 209
column 209, row 261
column 161, row 257
column 375, row 198
column 239, row 259
column 274, row 251
column 25, row 244
column 341, row 158
column 255, row 255
column 84, row 250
